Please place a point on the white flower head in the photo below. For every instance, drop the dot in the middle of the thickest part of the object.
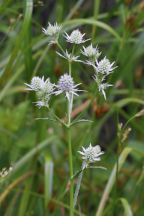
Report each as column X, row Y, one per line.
column 53, row 32
column 44, row 89
column 37, row 84
column 90, row 51
column 104, row 66
column 90, row 154
column 101, row 86
column 69, row 57
column 75, row 37
column 66, row 84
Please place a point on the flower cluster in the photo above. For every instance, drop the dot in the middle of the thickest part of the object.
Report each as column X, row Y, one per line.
column 102, row 68
column 44, row 89
column 90, row 155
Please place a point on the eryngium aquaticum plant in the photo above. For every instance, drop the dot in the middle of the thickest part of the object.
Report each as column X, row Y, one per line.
column 66, row 85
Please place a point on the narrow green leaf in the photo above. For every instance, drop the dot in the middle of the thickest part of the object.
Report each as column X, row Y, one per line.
column 76, row 6
column 48, row 179
column 25, row 197
column 93, row 22
column 112, row 179
column 127, row 208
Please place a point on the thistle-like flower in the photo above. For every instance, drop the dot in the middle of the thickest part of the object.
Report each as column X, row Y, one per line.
column 66, row 84
column 69, row 57
column 90, row 51
column 53, row 32
column 44, row 89
column 102, row 87
column 75, row 37
column 90, row 155
column 104, row 66
column 37, row 84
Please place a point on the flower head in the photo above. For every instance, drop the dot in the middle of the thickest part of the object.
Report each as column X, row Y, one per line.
column 36, row 84
column 53, row 32
column 104, row 66
column 44, row 89
column 75, row 37
column 66, row 84
column 69, row 57
column 90, row 51
column 90, row 154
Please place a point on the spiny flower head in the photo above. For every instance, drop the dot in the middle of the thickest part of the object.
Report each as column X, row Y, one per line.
column 75, row 37
column 44, row 89
column 37, row 84
column 90, row 51
column 101, row 86
column 91, row 154
column 52, row 31
column 104, row 66
column 66, row 84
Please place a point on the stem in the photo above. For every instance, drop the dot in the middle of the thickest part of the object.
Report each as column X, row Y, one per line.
column 69, row 109
column 70, row 68
column 71, row 171
column 57, row 118
column 58, row 44
column 96, row 11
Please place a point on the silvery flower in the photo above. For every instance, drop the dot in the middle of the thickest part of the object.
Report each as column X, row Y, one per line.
column 101, row 86
column 44, row 89
column 53, row 32
column 90, row 51
column 75, row 37
column 69, row 57
column 66, row 84
column 104, row 66
column 90, row 154
column 36, row 84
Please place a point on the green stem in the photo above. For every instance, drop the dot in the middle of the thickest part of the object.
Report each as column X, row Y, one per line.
column 58, row 44
column 96, row 11
column 57, row 118
column 70, row 149
column 70, row 68
column 71, row 171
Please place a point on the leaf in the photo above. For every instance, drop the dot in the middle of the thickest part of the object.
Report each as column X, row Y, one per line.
column 48, row 179
column 77, row 188
column 127, row 208
column 93, row 22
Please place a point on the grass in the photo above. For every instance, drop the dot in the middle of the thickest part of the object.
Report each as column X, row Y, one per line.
column 37, row 150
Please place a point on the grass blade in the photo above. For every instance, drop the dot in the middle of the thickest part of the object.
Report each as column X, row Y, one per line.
column 93, row 22
column 111, row 180
column 127, row 208
column 48, row 179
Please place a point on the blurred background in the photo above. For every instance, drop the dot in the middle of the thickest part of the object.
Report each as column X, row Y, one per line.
column 37, row 149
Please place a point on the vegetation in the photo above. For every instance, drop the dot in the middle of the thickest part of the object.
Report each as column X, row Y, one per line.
column 34, row 153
